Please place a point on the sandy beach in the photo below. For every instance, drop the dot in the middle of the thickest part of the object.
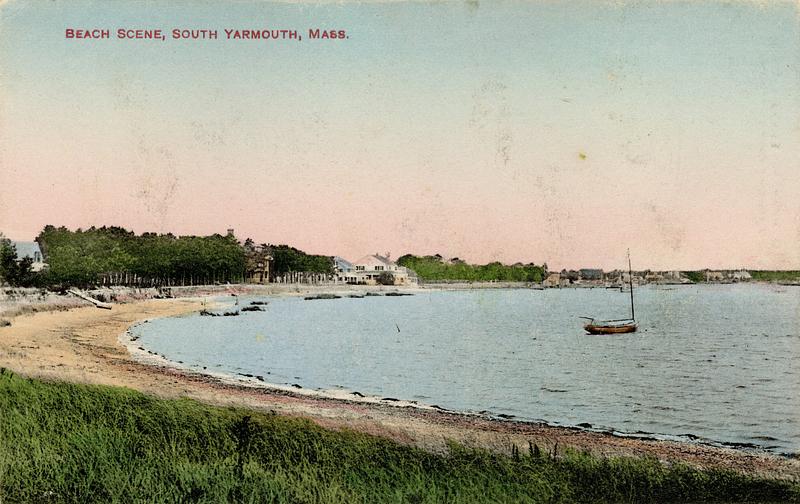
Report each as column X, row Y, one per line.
column 83, row 345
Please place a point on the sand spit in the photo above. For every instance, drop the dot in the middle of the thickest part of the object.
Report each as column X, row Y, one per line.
column 84, row 345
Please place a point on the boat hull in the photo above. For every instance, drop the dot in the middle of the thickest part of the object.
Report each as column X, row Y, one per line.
column 609, row 329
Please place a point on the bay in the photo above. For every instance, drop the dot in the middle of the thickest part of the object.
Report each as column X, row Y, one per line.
column 719, row 363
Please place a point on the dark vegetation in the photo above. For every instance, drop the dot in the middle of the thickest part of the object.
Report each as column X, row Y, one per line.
column 434, row 268
column 115, row 255
column 775, row 276
column 17, row 272
column 757, row 275
column 695, row 276
column 63, row 442
column 288, row 259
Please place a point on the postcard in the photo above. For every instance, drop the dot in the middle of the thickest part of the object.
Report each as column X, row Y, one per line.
column 399, row 251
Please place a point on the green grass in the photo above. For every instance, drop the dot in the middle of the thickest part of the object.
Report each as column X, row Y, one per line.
column 760, row 276
column 63, row 442
column 775, row 276
column 432, row 269
column 695, row 276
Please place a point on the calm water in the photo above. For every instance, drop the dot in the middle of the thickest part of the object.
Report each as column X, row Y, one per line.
column 718, row 362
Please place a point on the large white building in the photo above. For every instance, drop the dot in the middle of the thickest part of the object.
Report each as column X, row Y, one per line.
column 373, row 269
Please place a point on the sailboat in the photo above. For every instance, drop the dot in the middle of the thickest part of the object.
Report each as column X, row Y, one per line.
column 618, row 326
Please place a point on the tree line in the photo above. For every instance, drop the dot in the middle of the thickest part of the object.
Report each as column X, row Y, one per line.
column 286, row 259
column 116, row 256
column 435, row 268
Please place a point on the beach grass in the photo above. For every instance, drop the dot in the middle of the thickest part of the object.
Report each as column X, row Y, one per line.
column 63, row 442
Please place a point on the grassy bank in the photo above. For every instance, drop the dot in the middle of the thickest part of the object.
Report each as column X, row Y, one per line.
column 776, row 276
column 74, row 443
column 695, row 276
column 435, row 269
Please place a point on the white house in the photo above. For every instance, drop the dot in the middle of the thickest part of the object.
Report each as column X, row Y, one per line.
column 341, row 266
column 741, row 276
column 368, row 270
column 552, row 280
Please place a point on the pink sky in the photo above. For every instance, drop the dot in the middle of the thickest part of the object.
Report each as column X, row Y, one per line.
column 525, row 148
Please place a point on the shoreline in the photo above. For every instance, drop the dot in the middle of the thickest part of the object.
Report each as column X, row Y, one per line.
column 257, row 382
column 85, row 345
column 16, row 301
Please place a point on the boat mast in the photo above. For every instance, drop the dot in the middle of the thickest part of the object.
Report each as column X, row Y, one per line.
column 630, row 282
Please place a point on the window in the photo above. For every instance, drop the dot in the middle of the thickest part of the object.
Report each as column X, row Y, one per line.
column 378, row 268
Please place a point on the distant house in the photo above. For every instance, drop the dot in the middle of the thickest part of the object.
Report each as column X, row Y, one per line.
column 714, row 276
column 623, row 277
column 32, row 250
column 570, row 276
column 257, row 260
column 591, row 274
column 552, row 280
column 341, row 267
column 653, row 277
column 374, row 268
column 741, row 276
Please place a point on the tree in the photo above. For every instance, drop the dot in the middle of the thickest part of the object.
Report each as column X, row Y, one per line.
column 432, row 268
column 289, row 259
column 25, row 277
column 8, row 260
column 14, row 271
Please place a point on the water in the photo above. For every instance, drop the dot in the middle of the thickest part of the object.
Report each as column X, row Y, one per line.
column 718, row 362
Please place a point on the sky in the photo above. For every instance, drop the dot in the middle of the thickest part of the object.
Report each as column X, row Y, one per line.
column 557, row 132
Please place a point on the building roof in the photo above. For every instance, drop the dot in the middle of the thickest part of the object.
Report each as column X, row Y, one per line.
column 374, row 260
column 342, row 264
column 28, row 249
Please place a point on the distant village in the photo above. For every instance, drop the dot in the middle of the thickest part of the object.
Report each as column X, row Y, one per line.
column 168, row 260
column 617, row 278
column 377, row 269
column 372, row 269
